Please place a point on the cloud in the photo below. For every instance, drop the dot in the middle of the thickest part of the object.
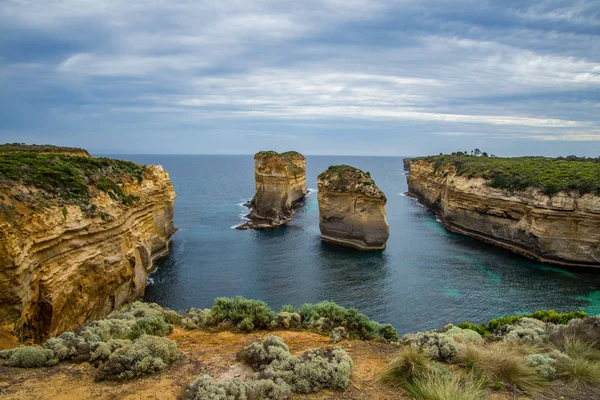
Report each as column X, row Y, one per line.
column 417, row 70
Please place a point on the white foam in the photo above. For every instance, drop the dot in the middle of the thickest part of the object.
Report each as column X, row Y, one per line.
column 149, row 281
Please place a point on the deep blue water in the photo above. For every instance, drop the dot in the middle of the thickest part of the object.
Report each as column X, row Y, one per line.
column 425, row 278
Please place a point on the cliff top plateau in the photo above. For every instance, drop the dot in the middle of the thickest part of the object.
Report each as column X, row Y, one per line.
column 550, row 175
column 345, row 178
column 42, row 148
column 290, row 161
column 55, row 178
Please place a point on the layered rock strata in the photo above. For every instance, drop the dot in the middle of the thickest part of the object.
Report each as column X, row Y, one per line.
column 62, row 265
column 352, row 209
column 561, row 229
column 280, row 186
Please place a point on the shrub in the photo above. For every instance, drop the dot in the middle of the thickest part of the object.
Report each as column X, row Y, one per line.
column 155, row 326
column 525, row 330
column 338, row 334
column 139, row 309
column 549, row 316
column 196, row 317
column 205, row 387
column 147, row 355
column 410, row 363
column 245, row 314
column 28, row 357
column 463, row 335
column 310, row 372
column 287, row 320
column 326, row 315
column 436, row 345
column 544, row 365
column 586, row 329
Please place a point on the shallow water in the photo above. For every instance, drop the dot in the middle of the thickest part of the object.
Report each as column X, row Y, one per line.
column 425, row 278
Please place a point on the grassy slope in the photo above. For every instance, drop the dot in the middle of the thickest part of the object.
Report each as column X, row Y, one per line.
column 550, row 175
column 68, row 178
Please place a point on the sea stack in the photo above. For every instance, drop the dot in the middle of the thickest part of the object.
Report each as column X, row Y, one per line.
column 280, row 185
column 352, row 209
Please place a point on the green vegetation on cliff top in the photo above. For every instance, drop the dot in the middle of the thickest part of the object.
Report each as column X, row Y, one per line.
column 69, row 178
column 41, row 148
column 550, row 175
column 346, row 178
column 287, row 158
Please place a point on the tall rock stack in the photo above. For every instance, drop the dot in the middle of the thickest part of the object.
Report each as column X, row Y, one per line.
column 280, row 185
column 352, row 209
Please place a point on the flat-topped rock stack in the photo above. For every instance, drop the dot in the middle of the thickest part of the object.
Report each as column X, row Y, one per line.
column 280, row 185
column 352, row 209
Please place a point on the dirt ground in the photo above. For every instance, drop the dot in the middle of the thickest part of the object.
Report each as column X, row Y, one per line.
column 203, row 353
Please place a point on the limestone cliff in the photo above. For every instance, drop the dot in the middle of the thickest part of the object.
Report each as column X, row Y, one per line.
column 563, row 228
column 351, row 209
column 280, row 185
column 71, row 253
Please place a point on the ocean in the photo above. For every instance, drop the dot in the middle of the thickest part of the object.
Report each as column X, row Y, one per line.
column 427, row 277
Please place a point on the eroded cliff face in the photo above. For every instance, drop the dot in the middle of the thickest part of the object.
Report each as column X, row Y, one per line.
column 280, row 185
column 352, row 209
column 61, row 266
column 563, row 229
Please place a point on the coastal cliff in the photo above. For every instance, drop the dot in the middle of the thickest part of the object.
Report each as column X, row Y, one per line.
column 78, row 236
column 280, row 185
column 517, row 204
column 351, row 209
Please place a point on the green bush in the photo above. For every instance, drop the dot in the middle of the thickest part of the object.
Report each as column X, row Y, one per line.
column 246, row 315
column 312, row 371
column 156, row 326
column 287, row 320
column 550, row 175
column 326, row 315
column 69, row 178
column 549, row 316
column 147, row 355
column 205, row 387
column 28, row 357
column 436, row 345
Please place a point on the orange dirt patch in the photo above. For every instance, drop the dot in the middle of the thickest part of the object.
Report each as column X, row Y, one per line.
column 203, row 352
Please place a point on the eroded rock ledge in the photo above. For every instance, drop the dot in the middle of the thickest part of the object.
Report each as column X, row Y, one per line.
column 561, row 229
column 352, row 209
column 280, row 186
column 62, row 264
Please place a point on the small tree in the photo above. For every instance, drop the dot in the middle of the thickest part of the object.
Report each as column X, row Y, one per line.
column 476, row 152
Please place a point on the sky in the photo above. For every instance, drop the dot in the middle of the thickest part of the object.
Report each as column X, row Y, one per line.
column 347, row 77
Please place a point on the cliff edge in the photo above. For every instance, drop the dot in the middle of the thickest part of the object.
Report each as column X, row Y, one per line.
column 77, row 237
column 545, row 209
column 280, row 185
column 352, row 209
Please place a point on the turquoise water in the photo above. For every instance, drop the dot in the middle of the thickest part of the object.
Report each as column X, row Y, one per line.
column 425, row 278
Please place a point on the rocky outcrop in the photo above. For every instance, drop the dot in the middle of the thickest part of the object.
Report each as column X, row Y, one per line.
column 280, row 186
column 352, row 209
column 64, row 264
column 562, row 229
